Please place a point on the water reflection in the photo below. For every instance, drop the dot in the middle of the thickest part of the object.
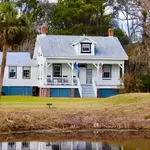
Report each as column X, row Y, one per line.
column 57, row 146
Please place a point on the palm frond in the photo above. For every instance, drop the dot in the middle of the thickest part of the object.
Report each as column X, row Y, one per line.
column 13, row 28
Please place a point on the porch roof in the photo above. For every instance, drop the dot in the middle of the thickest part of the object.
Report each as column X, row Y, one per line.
column 18, row 59
column 61, row 46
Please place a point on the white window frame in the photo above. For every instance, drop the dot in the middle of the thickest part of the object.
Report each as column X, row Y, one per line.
column 84, row 46
column 60, row 65
column 107, row 69
column 10, row 68
column 23, row 73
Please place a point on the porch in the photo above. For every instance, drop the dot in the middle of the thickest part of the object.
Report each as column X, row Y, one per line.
column 88, row 78
column 65, row 74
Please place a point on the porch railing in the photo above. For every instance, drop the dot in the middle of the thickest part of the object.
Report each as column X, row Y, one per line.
column 94, row 87
column 61, row 81
column 79, row 87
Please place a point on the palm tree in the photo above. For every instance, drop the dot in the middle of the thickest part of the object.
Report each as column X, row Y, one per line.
column 13, row 30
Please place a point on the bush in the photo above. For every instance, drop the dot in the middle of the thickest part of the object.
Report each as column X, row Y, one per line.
column 145, row 80
column 132, row 83
column 147, row 117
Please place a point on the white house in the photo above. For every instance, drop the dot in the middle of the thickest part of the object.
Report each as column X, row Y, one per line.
column 67, row 66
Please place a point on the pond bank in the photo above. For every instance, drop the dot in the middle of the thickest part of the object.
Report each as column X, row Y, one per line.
column 129, row 111
column 95, row 135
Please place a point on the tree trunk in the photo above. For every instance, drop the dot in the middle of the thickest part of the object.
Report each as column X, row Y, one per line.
column 3, row 64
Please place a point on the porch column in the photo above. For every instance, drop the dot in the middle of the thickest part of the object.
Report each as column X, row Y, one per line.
column 39, row 73
column 98, row 74
column 72, row 68
column 46, row 73
column 72, row 72
column 51, row 70
column 47, row 66
column 43, row 72
column 122, row 73
column 122, row 68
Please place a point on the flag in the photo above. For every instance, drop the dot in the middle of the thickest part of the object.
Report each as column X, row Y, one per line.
column 77, row 68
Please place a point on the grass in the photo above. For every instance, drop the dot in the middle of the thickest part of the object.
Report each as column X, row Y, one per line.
column 147, row 117
column 128, row 111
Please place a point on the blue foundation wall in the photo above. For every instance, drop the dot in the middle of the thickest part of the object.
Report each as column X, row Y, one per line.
column 63, row 92
column 60, row 92
column 108, row 92
column 17, row 90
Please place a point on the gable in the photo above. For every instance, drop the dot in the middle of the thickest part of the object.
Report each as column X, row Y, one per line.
column 84, row 39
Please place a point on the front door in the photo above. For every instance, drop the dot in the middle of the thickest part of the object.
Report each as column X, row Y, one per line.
column 82, row 75
column 88, row 76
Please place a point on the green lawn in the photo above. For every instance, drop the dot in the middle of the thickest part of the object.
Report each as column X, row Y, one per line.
column 123, row 99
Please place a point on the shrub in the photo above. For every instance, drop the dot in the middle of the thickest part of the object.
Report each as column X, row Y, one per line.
column 145, row 80
column 132, row 83
column 147, row 117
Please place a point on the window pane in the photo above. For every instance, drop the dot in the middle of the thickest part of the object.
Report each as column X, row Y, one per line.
column 57, row 70
column 12, row 72
column 85, row 48
column 107, row 71
column 27, row 72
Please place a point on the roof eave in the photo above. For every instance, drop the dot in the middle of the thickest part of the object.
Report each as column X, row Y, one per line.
column 96, row 58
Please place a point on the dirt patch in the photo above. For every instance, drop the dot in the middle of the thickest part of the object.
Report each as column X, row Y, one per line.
column 71, row 119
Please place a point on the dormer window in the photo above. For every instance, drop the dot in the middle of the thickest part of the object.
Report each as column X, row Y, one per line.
column 85, row 47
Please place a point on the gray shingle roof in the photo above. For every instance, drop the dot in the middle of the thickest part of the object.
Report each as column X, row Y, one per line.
column 61, row 46
column 18, row 59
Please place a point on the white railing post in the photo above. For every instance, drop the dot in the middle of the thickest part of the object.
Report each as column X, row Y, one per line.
column 94, row 87
column 79, row 87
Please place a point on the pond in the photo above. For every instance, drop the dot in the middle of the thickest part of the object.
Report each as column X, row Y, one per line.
column 64, row 145
column 76, row 141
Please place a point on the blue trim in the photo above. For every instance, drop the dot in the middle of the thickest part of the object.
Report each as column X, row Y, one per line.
column 17, row 90
column 108, row 92
column 60, row 92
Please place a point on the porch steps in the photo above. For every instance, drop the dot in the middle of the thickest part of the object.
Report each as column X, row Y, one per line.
column 87, row 91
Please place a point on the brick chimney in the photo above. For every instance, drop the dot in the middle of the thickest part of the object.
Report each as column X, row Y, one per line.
column 43, row 29
column 110, row 32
